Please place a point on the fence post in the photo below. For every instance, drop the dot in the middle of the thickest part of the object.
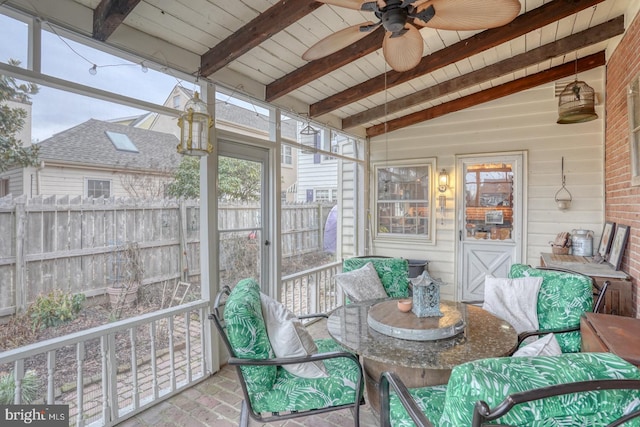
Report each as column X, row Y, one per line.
column 21, row 267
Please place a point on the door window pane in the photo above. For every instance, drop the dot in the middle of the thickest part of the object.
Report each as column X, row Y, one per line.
column 488, row 201
column 239, row 219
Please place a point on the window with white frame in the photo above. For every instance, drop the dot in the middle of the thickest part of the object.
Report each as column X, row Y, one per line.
column 4, row 187
column 286, row 156
column 634, row 129
column 98, row 188
column 403, row 199
column 323, row 195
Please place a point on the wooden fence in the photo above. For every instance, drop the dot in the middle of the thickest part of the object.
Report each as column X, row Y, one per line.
column 76, row 244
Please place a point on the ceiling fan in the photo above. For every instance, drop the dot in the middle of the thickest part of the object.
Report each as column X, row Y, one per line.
column 402, row 46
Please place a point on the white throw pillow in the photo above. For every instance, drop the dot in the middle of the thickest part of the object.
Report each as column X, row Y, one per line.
column 513, row 300
column 545, row 346
column 289, row 338
column 362, row 284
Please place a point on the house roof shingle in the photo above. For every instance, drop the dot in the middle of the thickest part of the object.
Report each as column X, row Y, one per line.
column 88, row 143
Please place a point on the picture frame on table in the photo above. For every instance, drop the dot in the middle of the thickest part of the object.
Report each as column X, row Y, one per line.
column 606, row 238
column 618, row 245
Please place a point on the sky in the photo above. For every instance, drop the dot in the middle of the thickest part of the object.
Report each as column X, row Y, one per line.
column 54, row 110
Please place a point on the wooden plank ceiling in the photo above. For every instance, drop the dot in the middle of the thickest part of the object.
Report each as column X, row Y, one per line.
column 264, row 40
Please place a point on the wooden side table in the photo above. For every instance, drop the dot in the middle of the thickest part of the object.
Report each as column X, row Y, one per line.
column 618, row 299
column 612, row 334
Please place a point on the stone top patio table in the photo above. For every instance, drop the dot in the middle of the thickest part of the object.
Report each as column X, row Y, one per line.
column 418, row 363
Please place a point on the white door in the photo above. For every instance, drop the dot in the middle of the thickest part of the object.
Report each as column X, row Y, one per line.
column 490, row 219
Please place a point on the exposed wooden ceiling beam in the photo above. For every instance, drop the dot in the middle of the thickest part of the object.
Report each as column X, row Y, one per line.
column 108, row 15
column 320, row 67
column 550, row 75
column 593, row 35
column 523, row 24
column 273, row 20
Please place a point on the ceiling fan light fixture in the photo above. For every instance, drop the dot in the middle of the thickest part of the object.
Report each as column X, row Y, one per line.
column 403, row 52
column 403, row 43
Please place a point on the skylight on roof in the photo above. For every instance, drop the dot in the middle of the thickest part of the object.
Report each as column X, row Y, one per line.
column 122, row 142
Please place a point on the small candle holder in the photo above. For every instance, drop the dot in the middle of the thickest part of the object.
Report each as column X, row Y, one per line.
column 426, row 296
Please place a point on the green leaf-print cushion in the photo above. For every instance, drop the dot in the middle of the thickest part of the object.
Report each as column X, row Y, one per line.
column 393, row 273
column 293, row 393
column 247, row 334
column 562, row 300
column 493, row 379
column 429, row 399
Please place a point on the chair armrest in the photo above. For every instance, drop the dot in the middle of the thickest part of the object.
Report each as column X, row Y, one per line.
column 390, row 378
column 602, row 291
column 483, row 413
column 524, row 335
column 313, row 315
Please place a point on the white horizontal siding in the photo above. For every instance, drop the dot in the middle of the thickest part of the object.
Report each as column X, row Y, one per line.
column 15, row 181
column 70, row 181
column 523, row 121
column 315, row 176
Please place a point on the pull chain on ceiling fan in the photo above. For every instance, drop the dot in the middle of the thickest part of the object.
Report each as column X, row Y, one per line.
column 403, row 45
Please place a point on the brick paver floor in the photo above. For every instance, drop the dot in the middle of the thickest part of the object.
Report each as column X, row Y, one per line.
column 216, row 402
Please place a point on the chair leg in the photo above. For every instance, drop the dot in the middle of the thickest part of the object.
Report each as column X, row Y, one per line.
column 356, row 415
column 244, row 414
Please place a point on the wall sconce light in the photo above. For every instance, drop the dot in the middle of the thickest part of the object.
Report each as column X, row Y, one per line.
column 443, row 185
column 194, row 125
column 443, row 181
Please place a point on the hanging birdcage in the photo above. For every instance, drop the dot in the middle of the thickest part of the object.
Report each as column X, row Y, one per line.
column 576, row 103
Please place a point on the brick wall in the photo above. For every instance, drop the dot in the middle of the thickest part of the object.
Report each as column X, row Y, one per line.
column 622, row 199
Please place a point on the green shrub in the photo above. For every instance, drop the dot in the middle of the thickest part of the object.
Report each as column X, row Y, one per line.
column 54, row 309
column 30, row 385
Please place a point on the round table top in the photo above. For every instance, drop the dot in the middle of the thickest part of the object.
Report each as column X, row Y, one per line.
column 384, row 317
column 485, row 335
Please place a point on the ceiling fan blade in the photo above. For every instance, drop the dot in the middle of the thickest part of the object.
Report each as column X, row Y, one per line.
column 467, row 15
column 349, row 4
column 403, row 52
column 336, row 41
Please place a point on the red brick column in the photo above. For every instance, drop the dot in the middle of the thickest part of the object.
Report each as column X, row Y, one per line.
column 622, row 199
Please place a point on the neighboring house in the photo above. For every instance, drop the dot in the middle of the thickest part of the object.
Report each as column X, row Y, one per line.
column 318, row 173
column 233, row 117
column 102, row 159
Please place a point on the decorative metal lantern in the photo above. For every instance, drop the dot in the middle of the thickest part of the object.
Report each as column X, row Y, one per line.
column 426, row 296
column 576, row 103
column 194, row 125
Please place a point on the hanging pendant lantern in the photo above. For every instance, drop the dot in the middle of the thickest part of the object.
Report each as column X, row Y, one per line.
column 563, row 196
column 308, row 135
column 576, row 103
column 194, row 125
